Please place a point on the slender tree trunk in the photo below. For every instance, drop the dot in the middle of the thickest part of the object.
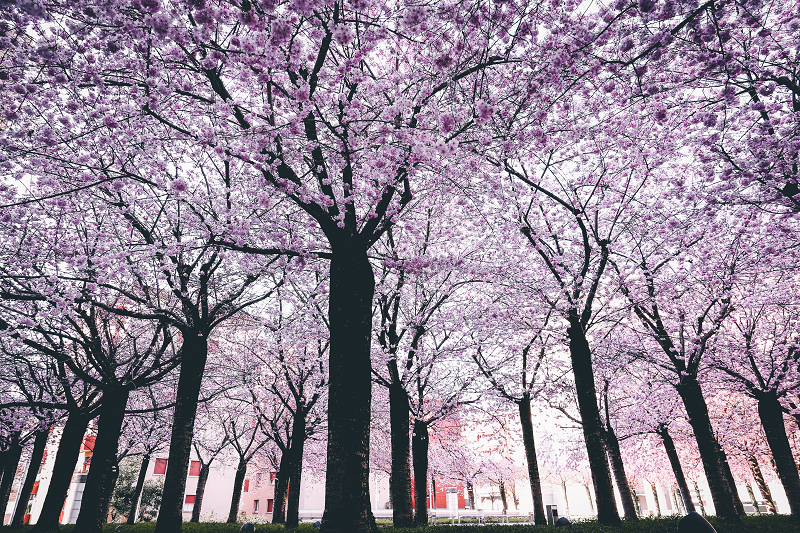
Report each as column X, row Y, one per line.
column 419, row 444
column 695, row 404
column 200, row 491
column 433, row 493
column 238, row 482
column 675, row 501
column 699, row 499
column 471, row 495
column 539, row 518
column 3, row 455
column 9, row 472
column 655, row 498
column 99, row 481
column 726, row 469
column 39, row 445
column 281, row 484
column 755, row 468
column 298, row 444
column 69, row 447
column 352, row 287
column 636, row 502
column 400, row 486
column 193, row 363
column 617, row 466
column 592, row 427
column 771, row 414
column 677, row 470
column 503, row 498
column 589, row 495
column 753, row 499
column 137, row 491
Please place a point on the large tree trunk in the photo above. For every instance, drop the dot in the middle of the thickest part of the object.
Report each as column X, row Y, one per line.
column 137, row 491
column 352, row 286
column 617, row 466
column 586, row 391
column 69, row 447
column 193, row 363
column 697, row 410
column 9, row 472
column 298, row 444
column 39, row 445
column 539, row 518
column 238, row 482
column 101, row 477
column 400, row 486
column 419, row 445
column 281, row 484
column 755, row 468
column 726, row 469
column 771, row 414
column 200, row 491
column 677, row 470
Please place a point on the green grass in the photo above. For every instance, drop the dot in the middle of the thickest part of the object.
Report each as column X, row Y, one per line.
column 749, row 524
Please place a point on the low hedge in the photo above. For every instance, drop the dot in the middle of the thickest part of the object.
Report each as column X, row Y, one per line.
column 749, row 524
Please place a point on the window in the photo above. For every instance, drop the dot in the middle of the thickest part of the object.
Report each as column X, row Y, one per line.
column 272, row 476
column 188, row 503
column 270, row 503
column 160, row 468
column 190, row 498
column 246, row 485
column 255, row 506
column 194, row 468
column 88, row 443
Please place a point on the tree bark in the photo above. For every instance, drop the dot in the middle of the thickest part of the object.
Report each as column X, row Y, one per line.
column 400, row 487
column 298, row 445
column 589, row 495
column 755, row 468
column 586, row 391
column 677, row 470
column 471, row 495
column 193, row 363
column 655, row 498
column 419, row 444
column 281, row 484
column 69, row 447
column 697, row 410
column 200, row 491
column 9, row 473
column 137, row 491
column 352, row 287
column 238, row 482
column 39, row 445
column 99, row 481
column 539, row 518
column 433, row 493
column 726, row 469
column 503, row 498
column 617, row 466
column 771, row 414
column 753, row 500
column 699, row 499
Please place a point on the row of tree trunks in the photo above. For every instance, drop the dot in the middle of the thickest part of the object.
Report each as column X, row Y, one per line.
column 12, row 457
column 771, row 414
column 137, row 491
column 39, row 445
column 722, row 493
column 104, row 468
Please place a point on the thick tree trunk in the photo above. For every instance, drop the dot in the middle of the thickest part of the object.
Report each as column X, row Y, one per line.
column 298, row 445
column 726, row 469
column 771, row 414
column 586, row 391
column 193, row 363
column 238, row 482
column 539, row 517
column 400, row 486
column 137, row 490
column 200, row 491
column 352, row 286
column 612, row 447
column 69, row 447
column 281, row 484
column 39, row 445
column 721, row 492
column 112, row 483
column 677, row 470
column 99, row 481
column 419, row 445
column 755, row 468
column 9, row 472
